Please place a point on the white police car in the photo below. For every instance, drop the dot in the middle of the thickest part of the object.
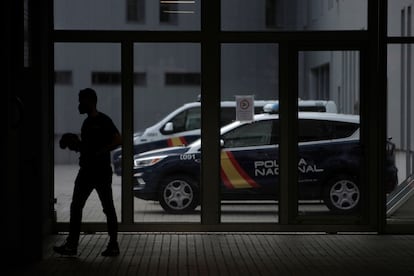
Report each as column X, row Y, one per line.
column 329, row 165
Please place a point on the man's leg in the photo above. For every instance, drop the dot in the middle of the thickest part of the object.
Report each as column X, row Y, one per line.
column 104, row 190
column 81, row 192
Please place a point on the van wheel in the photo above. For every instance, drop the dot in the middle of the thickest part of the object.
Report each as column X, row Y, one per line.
column 342, row 194
column 179, row 194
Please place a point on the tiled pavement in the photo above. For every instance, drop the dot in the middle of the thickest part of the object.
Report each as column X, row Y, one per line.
column 233, row 254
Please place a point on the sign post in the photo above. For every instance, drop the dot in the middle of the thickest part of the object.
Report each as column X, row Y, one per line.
column 245, row 108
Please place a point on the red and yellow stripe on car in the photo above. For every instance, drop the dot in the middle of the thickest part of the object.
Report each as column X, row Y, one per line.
column 176, row 141
column 232, row 175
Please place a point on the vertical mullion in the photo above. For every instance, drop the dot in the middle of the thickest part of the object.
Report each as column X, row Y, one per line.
column 372, row 116
column 210, row 110
column 288, row 133
column 127, row 56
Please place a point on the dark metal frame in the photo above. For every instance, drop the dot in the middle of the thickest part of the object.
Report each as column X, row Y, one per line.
column 372, row 46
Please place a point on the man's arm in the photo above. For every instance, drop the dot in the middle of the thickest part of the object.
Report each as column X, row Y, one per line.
column 115, row 143
column 71, row 141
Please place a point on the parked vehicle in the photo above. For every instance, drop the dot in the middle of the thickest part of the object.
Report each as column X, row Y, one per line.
column 182, row 126
column 329, row 164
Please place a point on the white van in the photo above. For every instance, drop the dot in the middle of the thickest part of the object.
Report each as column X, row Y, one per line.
column 182, row 126
column 306, row 106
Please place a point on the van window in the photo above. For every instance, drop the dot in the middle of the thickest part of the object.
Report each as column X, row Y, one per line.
column 315, row 108
column 187, row 120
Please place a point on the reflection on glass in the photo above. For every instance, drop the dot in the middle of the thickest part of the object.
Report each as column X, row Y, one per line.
column 400, row 14
column 330, row 157
column 127, row 15
column 401, row 133
column 79, row 66
column 296, row 15
column 167, row 118
column 249, row 155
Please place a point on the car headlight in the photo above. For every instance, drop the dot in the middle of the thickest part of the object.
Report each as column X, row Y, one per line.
column 148, row 161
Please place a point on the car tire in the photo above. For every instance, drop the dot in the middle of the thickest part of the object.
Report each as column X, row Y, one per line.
column 342, row 194
column 179, row 194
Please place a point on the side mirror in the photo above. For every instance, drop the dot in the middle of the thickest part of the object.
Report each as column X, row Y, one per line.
column 169, row 127
column 222, row 143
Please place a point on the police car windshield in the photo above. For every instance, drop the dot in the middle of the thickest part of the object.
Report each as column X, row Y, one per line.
column 225, row 129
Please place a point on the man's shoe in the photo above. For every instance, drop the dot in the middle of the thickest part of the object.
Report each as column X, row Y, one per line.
column 111, row 250
column 66, row 249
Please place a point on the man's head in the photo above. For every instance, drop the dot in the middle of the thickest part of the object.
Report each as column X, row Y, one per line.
column 87, row 100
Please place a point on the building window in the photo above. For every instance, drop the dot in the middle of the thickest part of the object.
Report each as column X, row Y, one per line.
column 140, row 79
column 320, row 82
column 114, row 78
column 271, row 16
column 106, row 78
column 135, row 12
column 63, row 77
column 168, row 13
column 188, row 79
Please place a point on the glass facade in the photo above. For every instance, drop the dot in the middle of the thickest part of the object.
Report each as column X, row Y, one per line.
column 399, row 201
column 249, row 151
column 129, row 15
column 297, row 15
column 167, row 115
column 169, row 72
column 81, row 60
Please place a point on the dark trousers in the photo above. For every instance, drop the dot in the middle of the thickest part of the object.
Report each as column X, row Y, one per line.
column 86, row 181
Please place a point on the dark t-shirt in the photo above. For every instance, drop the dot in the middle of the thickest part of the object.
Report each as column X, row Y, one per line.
column 96, row 133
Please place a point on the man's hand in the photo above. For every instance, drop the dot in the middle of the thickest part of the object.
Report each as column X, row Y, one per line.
column 71, row 141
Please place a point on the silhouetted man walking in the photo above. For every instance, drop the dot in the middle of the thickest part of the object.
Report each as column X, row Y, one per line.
column 98, row 137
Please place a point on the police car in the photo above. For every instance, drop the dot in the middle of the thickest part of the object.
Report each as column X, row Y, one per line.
column 182, row 126
column 329, row 164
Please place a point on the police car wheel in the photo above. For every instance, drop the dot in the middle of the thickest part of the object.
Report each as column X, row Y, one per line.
column 342, row 194
column 179, row 194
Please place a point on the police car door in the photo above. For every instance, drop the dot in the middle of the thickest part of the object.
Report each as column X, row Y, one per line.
column 249, row 160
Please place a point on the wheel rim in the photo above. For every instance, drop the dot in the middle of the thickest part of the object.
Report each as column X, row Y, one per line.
column 344, row 194
column 178, row 195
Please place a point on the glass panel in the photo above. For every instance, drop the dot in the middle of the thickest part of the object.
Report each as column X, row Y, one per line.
column 26, row 32
column 249, row 156
column 400, row 202
column 296, row 15
column 127, row 15
column 400, row 14
column 167, row 118
column 80, row 62
column 330, row 158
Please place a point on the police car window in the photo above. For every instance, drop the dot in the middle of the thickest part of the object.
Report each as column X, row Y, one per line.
column 313, row 130
column 254, row 134
column 342, row 129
